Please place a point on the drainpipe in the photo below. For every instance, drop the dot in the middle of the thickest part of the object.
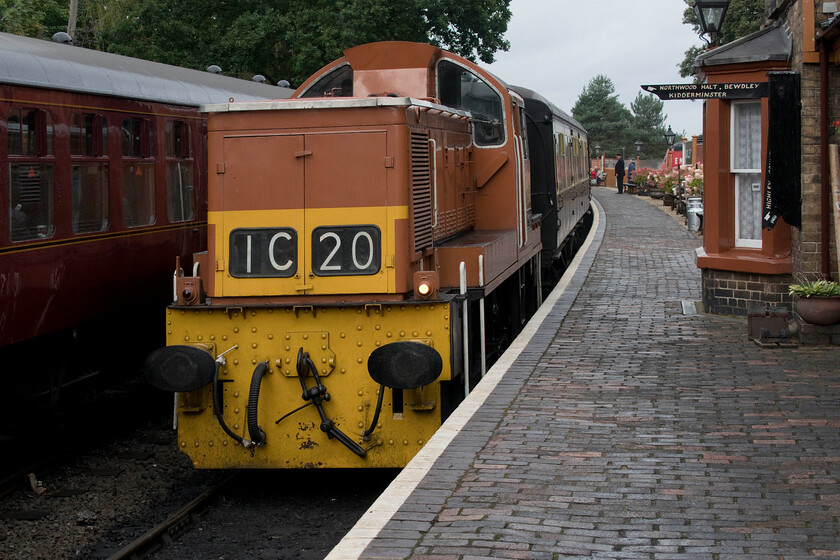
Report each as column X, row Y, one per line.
column 825, row 191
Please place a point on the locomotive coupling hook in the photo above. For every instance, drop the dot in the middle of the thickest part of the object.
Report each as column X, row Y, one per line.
column 317, row 395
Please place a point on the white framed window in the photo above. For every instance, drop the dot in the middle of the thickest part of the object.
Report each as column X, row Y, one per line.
column 745, row 166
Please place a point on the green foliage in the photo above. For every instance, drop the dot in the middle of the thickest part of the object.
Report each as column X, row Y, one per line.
column 603, row 116
column 648, row 124
column 742, row 18
column 615, row 128
column 33, row 18
column 287, row 39
column 817, row 288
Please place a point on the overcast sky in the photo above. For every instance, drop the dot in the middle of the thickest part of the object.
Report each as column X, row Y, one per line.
column 558, row 46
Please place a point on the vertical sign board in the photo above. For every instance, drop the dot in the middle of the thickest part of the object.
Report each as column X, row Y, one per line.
column 782, row 183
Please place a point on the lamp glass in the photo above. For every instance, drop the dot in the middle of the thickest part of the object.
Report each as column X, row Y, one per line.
column 711, row 14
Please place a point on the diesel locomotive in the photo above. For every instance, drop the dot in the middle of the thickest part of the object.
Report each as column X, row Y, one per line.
column 374, row 242
column 104, row 180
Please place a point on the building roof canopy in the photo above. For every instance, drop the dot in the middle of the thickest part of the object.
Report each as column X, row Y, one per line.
column 766, row 45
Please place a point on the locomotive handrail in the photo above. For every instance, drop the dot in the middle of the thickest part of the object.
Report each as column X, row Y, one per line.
column 217, row 402
column 433, row 143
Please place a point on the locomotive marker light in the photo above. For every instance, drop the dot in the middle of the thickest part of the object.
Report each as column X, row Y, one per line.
column 425, row 284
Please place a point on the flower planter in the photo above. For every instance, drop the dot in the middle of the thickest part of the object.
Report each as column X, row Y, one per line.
column 668, row 200
column 819, row 310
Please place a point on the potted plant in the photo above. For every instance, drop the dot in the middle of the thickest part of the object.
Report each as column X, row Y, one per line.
column 667, row 184
column 819, row 301
column 694, row 182
column 642, row 178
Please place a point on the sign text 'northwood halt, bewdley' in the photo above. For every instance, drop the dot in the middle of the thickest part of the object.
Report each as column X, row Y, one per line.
column 735, row 90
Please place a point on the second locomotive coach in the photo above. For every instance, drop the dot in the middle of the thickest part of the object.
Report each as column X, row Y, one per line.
column 372, row 246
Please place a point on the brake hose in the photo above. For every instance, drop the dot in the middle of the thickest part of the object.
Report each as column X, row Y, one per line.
column 257, row 434
column 366, row 434
column 217, row 407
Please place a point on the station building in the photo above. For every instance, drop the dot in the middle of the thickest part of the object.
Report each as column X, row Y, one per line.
column 768, row 219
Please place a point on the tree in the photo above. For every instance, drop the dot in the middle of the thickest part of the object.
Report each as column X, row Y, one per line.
column 33, row 18
column 290, row 39
column 742, row 18
column 649, row 124
column 608, row 122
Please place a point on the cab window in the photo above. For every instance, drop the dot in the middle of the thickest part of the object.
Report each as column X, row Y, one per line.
column 461, row 89
column 336, row 83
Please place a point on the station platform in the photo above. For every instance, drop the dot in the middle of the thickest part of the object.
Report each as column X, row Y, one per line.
column 619, row 426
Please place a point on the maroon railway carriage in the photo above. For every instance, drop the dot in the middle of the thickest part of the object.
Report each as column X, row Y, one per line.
column 104, row 181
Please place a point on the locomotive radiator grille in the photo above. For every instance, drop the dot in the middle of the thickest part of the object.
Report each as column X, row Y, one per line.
column 421, row 190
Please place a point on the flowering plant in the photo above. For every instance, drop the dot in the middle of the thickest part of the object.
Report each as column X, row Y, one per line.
column 694, row 181
column 642, row 175
column 665, row 179
column 836, row 126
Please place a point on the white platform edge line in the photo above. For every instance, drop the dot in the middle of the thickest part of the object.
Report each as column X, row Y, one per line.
column 383, row 509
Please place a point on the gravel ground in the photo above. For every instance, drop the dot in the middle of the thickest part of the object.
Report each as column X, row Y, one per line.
column 104, row 499
column 111, row 494
column 281, row 515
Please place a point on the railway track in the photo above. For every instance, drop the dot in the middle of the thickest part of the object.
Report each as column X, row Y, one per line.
column 136, row 496
column 265, row 514
column 172, row 527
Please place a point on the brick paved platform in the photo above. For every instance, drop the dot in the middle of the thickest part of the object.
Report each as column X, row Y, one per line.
column 626, row 429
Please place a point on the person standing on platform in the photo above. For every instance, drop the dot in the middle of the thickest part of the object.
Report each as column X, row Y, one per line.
column 619, row 173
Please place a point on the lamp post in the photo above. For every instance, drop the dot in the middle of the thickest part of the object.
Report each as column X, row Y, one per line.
column 601, row 169
column 711, row 14
column 638, row 144
column 669, row 138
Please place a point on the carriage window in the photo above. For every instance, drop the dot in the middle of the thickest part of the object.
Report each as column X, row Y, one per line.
column 89, row 177
column 30, row 133
column 177, row 139
column 31, row 201
column 137, row 136
column 88, row 135
column 31, row 186
column 138, row 176
column 138, row 182
column 337, row 83
column 180, row 192
column 461, row 89
column 89, row 182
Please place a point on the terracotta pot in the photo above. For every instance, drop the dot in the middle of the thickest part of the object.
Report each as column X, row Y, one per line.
column 819, row 310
